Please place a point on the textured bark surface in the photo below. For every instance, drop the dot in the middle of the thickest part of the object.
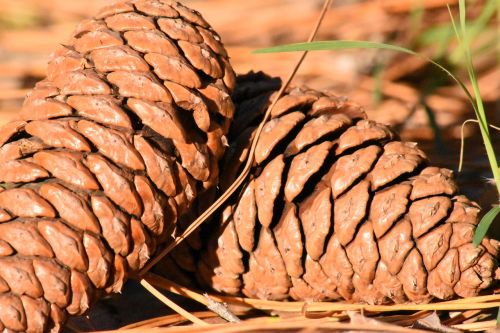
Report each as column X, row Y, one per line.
column 107, row 156
column 337, row 207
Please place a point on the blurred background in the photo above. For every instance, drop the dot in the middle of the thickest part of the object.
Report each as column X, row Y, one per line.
column 421, row 102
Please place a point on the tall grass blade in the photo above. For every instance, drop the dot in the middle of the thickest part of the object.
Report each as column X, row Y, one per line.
column 464, row 44
column 463, row 39
column 484, row 225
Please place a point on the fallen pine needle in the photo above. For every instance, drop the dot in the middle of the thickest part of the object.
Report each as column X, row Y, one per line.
column 466, row 315
column 469, row 303
column 275, row 325
column 171, row 319
column 479, row 326
column 165, row 300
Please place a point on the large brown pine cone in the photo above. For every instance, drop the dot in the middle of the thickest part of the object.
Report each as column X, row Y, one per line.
column 106, row 157
column 336, row 207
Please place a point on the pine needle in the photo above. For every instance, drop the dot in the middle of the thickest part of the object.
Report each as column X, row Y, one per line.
column 171, row 319
column 171, row 304
column 479, row 326
column 280, row 325
column 468, row 303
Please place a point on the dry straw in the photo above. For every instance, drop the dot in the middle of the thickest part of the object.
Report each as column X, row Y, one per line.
column 478, row 302
column 313, row 316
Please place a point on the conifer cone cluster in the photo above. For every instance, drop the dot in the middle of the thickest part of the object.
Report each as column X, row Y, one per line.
column 336, row 207
column 107, row 156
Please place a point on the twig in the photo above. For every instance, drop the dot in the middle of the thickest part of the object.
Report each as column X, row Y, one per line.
column 221, row 309
column 223, row 198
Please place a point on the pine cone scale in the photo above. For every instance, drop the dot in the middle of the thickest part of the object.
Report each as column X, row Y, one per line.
column 118, row 58
column 68, row 167
column 150, row 42
column 315, row 218
column 388, row 206
column 152, row 8
column 21, row 171
column 71, row 207
column 101, row 109
column 289, row 241
column 349, row 168
column 173, row 69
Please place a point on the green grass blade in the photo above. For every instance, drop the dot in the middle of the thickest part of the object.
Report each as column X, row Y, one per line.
column 333, row 45
column 463, row 27
column 464, row 46
column 358, row 44
column 484, row 225
column 463, row 40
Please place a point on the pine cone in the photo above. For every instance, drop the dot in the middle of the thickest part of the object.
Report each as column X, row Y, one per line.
column 106, row 156
column 337, row 207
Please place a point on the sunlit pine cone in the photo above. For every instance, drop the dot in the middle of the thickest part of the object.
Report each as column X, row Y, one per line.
column 107, row 156
column 336, row 207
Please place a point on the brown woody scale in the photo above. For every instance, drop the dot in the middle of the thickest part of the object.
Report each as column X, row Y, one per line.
column 106, row 157
column 337, row 207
